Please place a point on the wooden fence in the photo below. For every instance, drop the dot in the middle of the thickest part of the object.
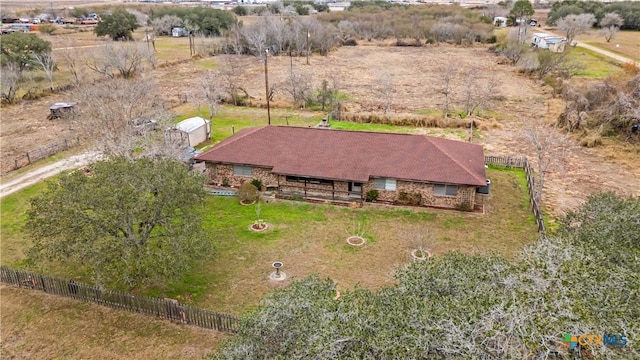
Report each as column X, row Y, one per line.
column 163, row 308
column 521, row 162
column 40, row 153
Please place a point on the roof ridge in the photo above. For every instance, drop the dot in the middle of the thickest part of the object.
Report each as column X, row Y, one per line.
column 430, row 138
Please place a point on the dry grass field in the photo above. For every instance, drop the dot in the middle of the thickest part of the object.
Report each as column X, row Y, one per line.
column 36, row 325
column 414, row 73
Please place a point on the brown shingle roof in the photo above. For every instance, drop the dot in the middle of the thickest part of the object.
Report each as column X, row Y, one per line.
column 352, row 155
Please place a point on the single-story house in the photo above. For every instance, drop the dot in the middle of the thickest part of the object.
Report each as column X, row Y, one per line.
column 342, row 165
column 190, row 132
column 548, row 41
column 500, row 21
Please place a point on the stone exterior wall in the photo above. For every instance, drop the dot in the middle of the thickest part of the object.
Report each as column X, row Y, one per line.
column 216, row 173
column 415, row 193
column 407, row 192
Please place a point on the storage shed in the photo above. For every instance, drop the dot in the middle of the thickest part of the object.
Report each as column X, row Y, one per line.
column 190, row 132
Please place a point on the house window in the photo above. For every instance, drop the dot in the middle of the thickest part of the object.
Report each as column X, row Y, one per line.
column 241, row 170
column 445, row 190
column 384, row 184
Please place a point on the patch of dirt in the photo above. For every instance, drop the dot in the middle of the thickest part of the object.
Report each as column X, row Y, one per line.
column 415, row 74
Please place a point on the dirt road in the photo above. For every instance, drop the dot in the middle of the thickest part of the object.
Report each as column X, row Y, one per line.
column 45, row 172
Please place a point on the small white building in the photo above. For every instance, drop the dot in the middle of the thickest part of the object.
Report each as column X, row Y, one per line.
column 179, row 32
column 548, row 41
column 500, row 21
column 190, row 132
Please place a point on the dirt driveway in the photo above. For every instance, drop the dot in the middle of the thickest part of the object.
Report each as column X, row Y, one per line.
column 414, row 73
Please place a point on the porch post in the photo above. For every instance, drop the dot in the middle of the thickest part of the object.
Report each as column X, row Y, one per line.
column 333, row 190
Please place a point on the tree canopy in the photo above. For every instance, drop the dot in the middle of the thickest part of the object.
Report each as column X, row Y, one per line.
column 628, row 10
column 19, row 50
column 582, row 281
column 522, row 9
column 119, row 25
column 207, row 21
column 125, row 221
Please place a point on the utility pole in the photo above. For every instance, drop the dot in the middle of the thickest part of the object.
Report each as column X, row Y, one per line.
column 266, row 85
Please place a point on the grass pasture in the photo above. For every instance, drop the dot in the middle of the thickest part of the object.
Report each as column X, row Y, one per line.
column 626, row 43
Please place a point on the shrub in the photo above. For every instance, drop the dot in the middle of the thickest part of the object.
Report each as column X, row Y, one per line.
column 240, row 10
column 372, row 195
column 258, row 184
column 248, row 193
column 405, row 198
column 48, row 29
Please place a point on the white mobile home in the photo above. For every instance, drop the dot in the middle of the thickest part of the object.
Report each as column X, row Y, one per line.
column 190, row 132
column 548, row 41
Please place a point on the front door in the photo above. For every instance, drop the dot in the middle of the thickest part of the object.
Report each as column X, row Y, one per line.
column 355, row 189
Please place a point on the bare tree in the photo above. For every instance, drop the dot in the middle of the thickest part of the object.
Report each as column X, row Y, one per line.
column 231, row 72
column 513, row 51
column 120, row 117
column 548, row 145
column 256, row 38
column 124, row 59
column 555, row 63
column 71, row 59
column 448, row 73
column 385, row 88
column 325, row 37
column 574, row 25
column 235, row 37
column 299, row 87
column 48, row 65
column 514, row 48
column 210, row 92
column 610, row 24
column 10, row 83
column 277, row 32
column 477, row 92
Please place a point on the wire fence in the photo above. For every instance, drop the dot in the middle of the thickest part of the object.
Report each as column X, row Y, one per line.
column 162, row 308
column 521, row 162
column 31, row 156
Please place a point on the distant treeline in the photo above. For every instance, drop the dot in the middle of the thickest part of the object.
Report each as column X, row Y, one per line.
column 629, row 11
column 429, row 23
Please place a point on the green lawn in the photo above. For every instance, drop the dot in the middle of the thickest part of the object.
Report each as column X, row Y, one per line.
column 594, row 65
column 310, row 238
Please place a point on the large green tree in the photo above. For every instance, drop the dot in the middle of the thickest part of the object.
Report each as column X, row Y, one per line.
column 119, row 25
column 126, row 221
column 18, row 50
column 522, row 9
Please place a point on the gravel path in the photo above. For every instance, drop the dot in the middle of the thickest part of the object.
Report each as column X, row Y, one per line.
column 34, row 176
